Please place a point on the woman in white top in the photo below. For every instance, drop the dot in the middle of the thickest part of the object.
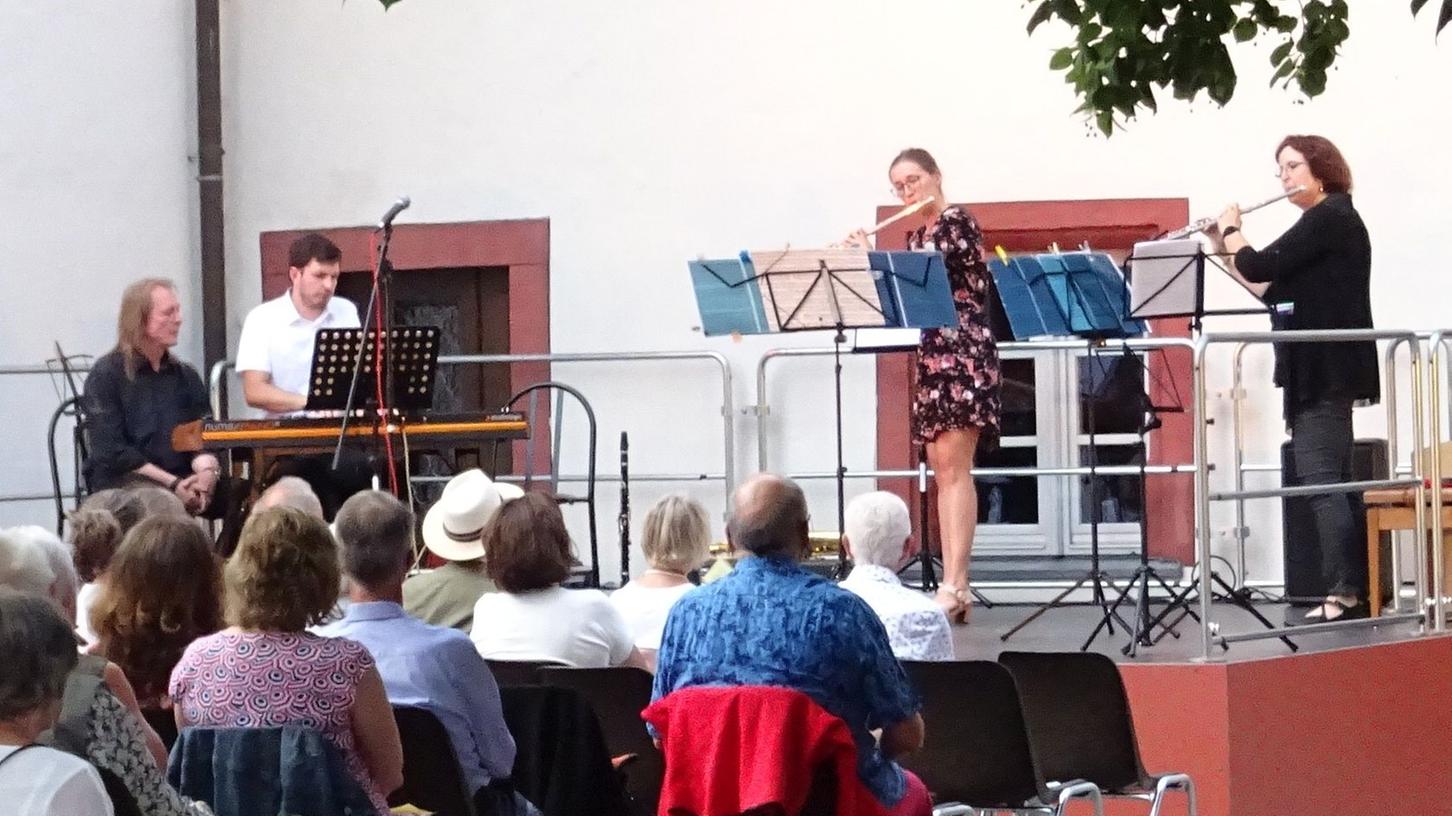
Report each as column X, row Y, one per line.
column 40, row 652
column 527, row 554
column 676, row 540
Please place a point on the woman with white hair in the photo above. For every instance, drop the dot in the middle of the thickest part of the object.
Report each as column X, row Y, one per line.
column 40, row 653
column 100, row 718
column 879, row 539
column 676, row 540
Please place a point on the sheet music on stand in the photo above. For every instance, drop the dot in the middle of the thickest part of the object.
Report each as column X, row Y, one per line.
column 413, row 352
column 1168, row 280
column 801, row 290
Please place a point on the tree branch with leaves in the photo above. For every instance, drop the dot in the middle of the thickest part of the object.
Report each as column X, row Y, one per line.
column 1125, row 51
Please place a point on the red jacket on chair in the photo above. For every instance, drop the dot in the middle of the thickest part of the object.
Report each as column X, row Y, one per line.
column 732, row 748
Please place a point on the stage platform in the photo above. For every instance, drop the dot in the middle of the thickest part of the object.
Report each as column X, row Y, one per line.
column 1357, row 723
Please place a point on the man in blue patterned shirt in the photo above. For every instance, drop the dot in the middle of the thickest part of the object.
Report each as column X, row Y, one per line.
column 771, row 622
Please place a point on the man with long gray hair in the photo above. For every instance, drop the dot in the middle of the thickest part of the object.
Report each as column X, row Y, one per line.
column 879, row 538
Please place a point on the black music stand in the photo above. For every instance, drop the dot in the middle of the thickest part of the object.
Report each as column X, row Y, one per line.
column 412, row 353
column 1084, row 293
column 1167, row 279
column 812, row 290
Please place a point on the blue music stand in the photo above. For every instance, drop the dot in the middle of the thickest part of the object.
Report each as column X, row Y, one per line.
column 1062, row 294
column 838, row 289
column 889, row 290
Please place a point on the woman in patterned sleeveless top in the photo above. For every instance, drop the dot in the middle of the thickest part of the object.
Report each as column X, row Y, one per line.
column 956, row 395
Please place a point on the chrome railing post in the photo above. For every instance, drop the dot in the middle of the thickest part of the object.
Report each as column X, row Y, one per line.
column 1433, row 471
column 1202, row 497
column 1237, row 429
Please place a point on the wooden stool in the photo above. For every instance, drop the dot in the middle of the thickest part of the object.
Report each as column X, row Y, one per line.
column 1390, row 511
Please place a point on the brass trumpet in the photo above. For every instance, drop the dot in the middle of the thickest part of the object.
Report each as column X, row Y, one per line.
column 1205, row 223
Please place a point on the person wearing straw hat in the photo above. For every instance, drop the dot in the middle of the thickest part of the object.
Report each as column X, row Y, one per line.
column 453, row 529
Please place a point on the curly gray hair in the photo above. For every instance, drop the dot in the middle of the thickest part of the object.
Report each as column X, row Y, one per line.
column 39, row 650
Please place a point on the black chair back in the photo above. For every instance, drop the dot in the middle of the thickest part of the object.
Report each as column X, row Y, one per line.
column 977, row 748
column 519, row 672
column 618, row 695
column 560, row 760
column 1078, row 717
column 432, row 779
column 79, row 453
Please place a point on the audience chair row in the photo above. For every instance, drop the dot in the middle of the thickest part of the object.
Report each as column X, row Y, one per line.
column 1030, row 734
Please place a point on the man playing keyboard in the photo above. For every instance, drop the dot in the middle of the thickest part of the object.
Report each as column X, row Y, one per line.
column 274, row 358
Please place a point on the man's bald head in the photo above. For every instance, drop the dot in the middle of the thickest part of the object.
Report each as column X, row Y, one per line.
column 768, row 517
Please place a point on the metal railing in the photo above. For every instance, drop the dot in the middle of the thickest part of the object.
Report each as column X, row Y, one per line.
column 31, row 370
column 728, row 439
column 762, row 409
column 1210, row 630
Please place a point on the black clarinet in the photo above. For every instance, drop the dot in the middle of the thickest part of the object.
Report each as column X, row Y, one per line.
column 624, row 519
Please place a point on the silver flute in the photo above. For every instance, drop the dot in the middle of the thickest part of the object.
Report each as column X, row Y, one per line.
column 1204, row 223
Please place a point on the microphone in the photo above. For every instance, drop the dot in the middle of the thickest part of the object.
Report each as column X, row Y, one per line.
column 398, row 206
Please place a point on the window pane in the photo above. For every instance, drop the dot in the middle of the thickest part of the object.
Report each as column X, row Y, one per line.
column 1119, row 499
column 1008, row 499
column 1019, row 396
column 1115, row 387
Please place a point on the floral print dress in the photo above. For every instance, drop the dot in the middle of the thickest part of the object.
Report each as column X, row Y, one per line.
column 957, row 380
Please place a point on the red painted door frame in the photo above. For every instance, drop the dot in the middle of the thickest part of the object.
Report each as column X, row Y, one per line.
column 1107, row 224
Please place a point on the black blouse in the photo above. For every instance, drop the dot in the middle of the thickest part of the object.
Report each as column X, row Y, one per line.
column 1319, row 273
column 129, row 420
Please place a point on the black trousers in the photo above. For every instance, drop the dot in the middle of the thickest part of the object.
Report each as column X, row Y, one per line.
column 1321, row 443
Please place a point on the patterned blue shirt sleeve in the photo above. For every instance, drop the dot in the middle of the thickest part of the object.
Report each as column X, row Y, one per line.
column 885, row 687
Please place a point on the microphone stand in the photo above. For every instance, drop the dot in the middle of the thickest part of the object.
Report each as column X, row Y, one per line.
column 623, row 520
column 378, row 297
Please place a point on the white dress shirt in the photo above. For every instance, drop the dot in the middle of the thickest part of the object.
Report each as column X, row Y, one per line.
column 278, row 341
column 577, row 627
column 916, row 627
column 47, row 782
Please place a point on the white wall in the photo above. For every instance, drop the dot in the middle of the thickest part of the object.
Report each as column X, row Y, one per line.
column 650, row 133
column 97, row 129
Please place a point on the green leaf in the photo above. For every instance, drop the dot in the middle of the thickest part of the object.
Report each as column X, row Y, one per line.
column 1282, row 51
column 1105, row 121
column 1283, row 72
column 1245, row 30
column 1445, row 17
column 1417, row 6
column 1062, row 58
column 1041, row 15
column 388, row 4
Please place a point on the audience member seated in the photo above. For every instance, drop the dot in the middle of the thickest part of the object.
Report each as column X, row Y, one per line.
column 100, row 719
column 137, row 394
column 453, row 529
column 879, row 540
column 773, row 623
column 96, row 529
column 527, row 554
column 266, row 670
column 39, row 653
column 422, row 665
column 290, row 491
column 676, row 540
column 164, row 591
